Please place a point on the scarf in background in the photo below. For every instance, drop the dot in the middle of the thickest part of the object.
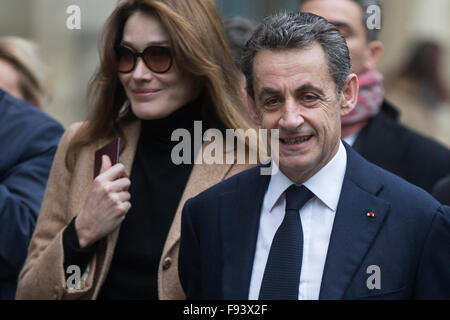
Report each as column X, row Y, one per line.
column 370, row 98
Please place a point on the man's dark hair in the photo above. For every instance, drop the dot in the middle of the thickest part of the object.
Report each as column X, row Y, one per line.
column 283, row 31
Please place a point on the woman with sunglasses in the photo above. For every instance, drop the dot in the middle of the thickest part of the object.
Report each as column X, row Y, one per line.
column 164, row 65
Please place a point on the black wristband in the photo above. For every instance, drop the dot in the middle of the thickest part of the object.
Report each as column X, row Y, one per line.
column 73, row 253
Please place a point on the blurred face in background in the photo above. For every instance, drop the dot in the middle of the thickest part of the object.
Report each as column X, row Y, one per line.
column 9, row 79
column 347, row 16
column 153, row 95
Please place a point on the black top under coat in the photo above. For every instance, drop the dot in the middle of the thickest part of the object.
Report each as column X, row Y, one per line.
column 157, row 185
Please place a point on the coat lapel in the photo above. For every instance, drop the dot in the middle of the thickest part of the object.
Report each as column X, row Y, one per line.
column 202, row 177
column 353, row 230
column 240, row 214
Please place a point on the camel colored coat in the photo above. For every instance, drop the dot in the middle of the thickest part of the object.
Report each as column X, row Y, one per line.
column 42, row 276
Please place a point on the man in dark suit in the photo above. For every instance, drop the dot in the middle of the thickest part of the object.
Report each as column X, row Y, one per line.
column 28, row 141
column 372, row 128
column 328, row 224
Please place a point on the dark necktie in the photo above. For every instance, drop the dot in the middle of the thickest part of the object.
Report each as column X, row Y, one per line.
column 282, row 274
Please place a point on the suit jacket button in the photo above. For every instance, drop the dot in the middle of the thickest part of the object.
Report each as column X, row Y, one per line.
column 167, row 263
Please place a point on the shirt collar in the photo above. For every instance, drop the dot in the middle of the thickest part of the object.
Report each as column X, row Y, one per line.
column 351, row 138
column 326, row 184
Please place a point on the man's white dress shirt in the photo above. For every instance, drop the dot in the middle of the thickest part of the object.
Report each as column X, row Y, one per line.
column 317, row 217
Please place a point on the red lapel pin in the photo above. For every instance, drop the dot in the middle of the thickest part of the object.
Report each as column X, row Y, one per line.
column 371, row 215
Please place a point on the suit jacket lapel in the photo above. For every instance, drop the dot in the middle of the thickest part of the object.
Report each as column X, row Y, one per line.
column 240, row 214
column 202, row 177
column 353, row 230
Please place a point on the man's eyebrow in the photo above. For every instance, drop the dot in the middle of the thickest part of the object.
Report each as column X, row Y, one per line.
column 309, row 87
column 268, row 91
column 305, row 87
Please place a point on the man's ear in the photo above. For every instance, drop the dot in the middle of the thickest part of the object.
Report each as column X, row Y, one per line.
column 375, row 51
column 253, row 111
column 349, row 94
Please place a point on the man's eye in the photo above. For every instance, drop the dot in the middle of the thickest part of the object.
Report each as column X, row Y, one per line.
column 309, row 98
column 271, row 102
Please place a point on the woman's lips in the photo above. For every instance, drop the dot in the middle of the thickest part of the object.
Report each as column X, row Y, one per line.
column 145, row 93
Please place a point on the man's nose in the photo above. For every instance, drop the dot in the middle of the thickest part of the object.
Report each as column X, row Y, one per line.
column 292, row 116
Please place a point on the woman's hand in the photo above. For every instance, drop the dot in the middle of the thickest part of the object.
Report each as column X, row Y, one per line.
column 106, row 205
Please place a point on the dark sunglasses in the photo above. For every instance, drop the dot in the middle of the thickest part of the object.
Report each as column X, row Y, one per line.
column 157, row 59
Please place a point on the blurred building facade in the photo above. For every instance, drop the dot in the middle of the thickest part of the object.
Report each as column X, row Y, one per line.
column 71, row 55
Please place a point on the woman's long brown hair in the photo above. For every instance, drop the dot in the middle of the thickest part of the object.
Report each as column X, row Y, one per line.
column 200, row 48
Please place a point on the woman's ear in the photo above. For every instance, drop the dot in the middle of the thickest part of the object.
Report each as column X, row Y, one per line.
column 349, row 94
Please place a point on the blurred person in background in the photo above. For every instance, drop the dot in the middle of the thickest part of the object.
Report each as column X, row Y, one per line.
column 441, row 190
column 419, row 91
column 22, row 72
column 372, row 128
column 238, row 30
column 28, row 142
column 164, row 65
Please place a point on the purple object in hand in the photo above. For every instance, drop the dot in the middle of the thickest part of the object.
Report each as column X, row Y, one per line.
column 111, row 150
